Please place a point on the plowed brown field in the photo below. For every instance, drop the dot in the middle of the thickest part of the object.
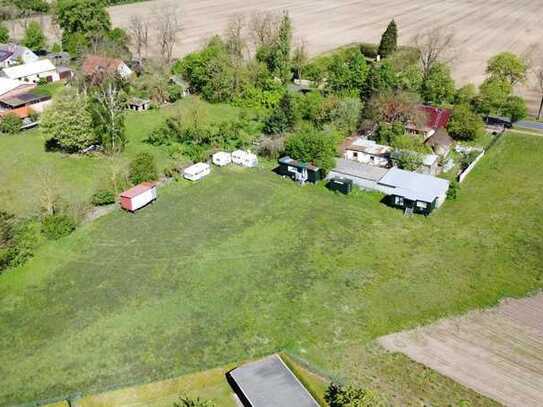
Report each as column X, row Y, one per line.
column 483, row 27
column 498, row 352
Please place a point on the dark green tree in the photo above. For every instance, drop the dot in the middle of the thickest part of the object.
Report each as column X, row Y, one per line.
column 438, row 87
column 465, row 124
column 312, row 145
column 507, row 66
column 381, row 78
column 389, row 40
column 85, row 19
column 284, row 116
column 34, row 38
column 143, row 168
column 515, row 108
column 347, row 73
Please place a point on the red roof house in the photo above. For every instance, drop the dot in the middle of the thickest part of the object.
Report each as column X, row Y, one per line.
column 139, row 196
column 432, row 119
column 98, row 65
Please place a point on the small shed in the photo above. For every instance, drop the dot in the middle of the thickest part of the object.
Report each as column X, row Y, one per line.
column 269, row 383
column 244, row 158
column 197, row 171
column 221, row 158
column 299, row 170
column 139, row 105
column 139, row 196
column 339, row 184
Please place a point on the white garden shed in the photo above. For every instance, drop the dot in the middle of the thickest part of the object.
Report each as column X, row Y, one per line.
column 244, row 158
column 221, row 158
column 196, row 171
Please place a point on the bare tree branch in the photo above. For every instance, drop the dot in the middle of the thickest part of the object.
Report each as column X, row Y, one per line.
column 139, row 31
column 168, row 27
column 435, row 45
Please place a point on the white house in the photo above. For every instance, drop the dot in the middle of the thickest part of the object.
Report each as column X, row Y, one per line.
column 196, row 171
column 13, row 54
column 33, row 72
column 366, row 151
column 221, row 158
column 244, row 158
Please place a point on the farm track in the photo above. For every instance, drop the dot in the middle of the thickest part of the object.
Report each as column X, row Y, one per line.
column 498, row 352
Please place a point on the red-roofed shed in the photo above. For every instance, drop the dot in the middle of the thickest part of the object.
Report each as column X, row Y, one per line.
column 139, row 196
column 433, row 119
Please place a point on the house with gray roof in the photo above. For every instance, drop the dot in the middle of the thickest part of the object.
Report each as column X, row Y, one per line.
column 408, row 190
column 269, row 382
column 413, row 192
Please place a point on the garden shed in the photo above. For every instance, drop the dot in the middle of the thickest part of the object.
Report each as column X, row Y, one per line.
column 340, row 184
column 244, row 158
column 269, row 382
column 222, row 158
column 139, row 105
column 299, row 170
column 139, row 196
column 197, row 171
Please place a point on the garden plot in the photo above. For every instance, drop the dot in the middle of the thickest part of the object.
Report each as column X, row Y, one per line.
column 498, row 352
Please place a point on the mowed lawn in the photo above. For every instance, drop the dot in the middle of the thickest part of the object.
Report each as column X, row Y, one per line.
column 245, row 263
column 23, row 160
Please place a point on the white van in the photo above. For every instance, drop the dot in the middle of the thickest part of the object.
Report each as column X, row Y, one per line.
column 196, row 171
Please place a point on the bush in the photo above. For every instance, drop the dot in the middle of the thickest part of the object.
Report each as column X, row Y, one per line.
column 407, row 160
column 454, row 186
column 350, row 396
column 143, row 168
column 24, row 237
column 101, row 198
column 10, row 124
column 56, row 226
column 312, row 145
column 369, row 50
column 186, row 401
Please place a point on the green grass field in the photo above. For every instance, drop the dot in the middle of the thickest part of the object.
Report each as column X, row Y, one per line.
column 24, row 160
column 245, row 263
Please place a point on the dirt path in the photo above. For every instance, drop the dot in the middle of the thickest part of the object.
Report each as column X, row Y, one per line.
column 498, row 352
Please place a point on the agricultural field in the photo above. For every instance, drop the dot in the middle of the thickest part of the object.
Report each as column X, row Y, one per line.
column 497, row 352
column 244, row 264
column 26, row 166
column 483, row 28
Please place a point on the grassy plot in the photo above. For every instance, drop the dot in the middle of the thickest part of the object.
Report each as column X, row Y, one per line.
column 26, row 166
column 244, row 264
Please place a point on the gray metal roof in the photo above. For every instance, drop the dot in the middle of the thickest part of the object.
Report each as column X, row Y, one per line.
column 270, row 383
column 414, row 186
column 356, row 169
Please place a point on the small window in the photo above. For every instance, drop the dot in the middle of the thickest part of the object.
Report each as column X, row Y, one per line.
column 422, row 205
column 399, row 200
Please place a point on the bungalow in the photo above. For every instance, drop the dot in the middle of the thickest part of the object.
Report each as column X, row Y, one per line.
column 13, row 54
column 299, row 171
column 431, row 119
column 366, row 151
column 12, row 87
column 268, row 383
column 362, row 175
column 413, row 192
column 440, row 142
column 94, row 65
column 33, row 72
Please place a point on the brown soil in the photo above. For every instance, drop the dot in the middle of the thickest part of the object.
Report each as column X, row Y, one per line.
column 498, row 352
